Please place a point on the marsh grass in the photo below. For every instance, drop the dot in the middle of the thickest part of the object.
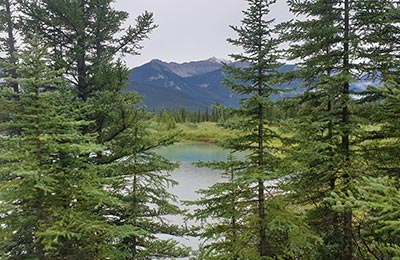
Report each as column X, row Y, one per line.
column 204, row 132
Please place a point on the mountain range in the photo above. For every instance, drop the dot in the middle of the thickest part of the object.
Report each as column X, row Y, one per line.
column 198, row 84
column 191, row 85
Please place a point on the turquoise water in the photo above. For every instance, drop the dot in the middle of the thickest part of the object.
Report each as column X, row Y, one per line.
column 191, row 178
column 193, row 152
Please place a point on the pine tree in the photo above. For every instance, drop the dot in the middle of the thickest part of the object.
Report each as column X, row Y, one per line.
column 227, row 219
column 378, row 196
column 142, row 184
column 83, row 36
column 83, row 43
column 8, row 42
column 137, row 176
column 379, row 33
column 229, row 235
column 325, row 128
column 249, row 223
column 334, row 45
column 379, row 20
column 48, row 193
column 260, row 53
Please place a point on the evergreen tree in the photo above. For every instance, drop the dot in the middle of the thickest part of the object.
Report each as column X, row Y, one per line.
column 260, row 52
column 229, row 235
column 323, row 42
column 379, row 31
column 378, row 198
column 137, row 176
column 379, row 20
column 84, row 37
column 167, row 120
column 335, row 44
column 142, row 183
column 250, row 221
column 48, row 189
column 8, row 42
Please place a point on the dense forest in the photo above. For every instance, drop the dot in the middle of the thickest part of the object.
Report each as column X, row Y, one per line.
column 80, row 178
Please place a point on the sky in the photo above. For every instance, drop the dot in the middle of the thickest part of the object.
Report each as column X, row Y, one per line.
column 190, row 30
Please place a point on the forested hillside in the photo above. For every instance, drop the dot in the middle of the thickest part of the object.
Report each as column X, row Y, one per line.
column 318, row 172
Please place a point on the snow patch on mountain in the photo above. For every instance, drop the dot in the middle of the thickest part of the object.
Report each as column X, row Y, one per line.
column 204, row 85
column 171, row 84
column 157, row 77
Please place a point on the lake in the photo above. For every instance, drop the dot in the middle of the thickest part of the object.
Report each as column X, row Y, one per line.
column 190, row 177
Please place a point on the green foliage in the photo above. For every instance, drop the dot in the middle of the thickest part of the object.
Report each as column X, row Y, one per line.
column 140, row 179
column 79, row 178
column 217, row 114
column 321, row 145
column 246, row 222
column 43, row 184
column 89, row 206
column 337, row 42
column 256, row 81
column 166, row 121
column 230, row 206
column 381, row 146
column 378, row 199
column 85, row 37
column 233, row 211
column 378, row 37
column 8, row 46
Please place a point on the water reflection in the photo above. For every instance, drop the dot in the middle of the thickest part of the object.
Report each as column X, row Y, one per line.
column 190, row 177
column 193, row 152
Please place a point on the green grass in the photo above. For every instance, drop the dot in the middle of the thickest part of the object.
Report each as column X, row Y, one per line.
column 204, row 132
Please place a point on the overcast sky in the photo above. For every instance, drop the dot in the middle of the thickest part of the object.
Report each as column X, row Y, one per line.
column 190, row 29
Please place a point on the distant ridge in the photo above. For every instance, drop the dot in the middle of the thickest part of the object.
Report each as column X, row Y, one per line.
column 193, row 68
column 192, row 85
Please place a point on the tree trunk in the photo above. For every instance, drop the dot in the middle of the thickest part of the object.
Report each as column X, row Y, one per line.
column 262, row 216
column 11, row 46
column 135, row 215
column 40, row 252
column 81, row 59
column 261, row 187
column 81, row 68
column 40, row 194
column 233, row 219
column 348, row 215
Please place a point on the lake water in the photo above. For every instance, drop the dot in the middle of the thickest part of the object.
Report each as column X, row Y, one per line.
column 190, row 177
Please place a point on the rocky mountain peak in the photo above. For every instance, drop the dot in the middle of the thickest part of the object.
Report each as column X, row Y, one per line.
column 190, row 69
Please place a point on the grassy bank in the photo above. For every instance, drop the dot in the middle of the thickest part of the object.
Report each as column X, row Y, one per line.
column 203, row 132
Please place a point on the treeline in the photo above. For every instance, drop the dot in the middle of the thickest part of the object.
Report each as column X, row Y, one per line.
column 214, row 114
column 279, row 110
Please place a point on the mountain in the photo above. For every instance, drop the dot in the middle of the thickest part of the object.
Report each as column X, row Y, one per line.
column 198, row 84
column 194, row 68
column 192, row 85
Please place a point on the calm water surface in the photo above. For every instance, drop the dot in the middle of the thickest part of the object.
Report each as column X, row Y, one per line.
column 191, row 178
